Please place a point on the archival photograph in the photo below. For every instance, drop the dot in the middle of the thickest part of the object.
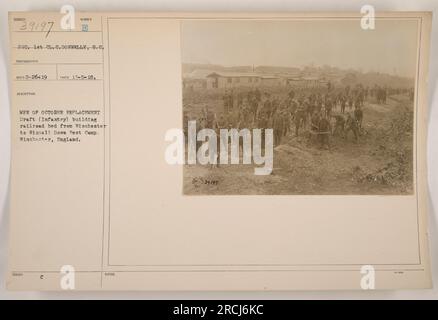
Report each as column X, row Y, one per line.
column 299, row 106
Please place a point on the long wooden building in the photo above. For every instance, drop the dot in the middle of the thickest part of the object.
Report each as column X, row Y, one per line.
column 205, row 79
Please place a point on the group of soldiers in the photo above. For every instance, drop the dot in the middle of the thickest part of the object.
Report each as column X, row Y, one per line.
column 380, row 94
column 316, row 112
column 297, row 110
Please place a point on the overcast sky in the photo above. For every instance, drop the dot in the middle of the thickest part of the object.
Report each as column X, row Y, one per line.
column 390, row 48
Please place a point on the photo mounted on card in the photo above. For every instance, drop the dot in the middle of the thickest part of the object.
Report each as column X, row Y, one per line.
column 219, row 151
column 320, row 107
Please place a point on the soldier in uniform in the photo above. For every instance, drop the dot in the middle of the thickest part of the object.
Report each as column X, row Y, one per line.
column 185, row 125
column 361, row 96
column 300, row 117
column 257, row 95
column 287, row 120
column 347, row 91
column 328, row 107
column 240, row 99
column 339, row 125
column 262, row 123
column 291, row 106
column 209, row 117
column 274, row 107
column 357, row 103
column 351, row 125
column 232, row 118
column 358, row 115
column 324, row 129
column 244, row 114
column 254, row 109
column 267, row 105
column 384, row 93
column 314, row 125
column 220, row 123
column 250, row 96
column 319, row 103
column 226, row 100
column 309, row 109
column 350, row 102
column 343, row 103
column 231, row 100
column 278, row 126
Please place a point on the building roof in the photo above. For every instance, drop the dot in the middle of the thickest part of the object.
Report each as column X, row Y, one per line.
column 233, row 74
column 203, row 74
column 296, row 75
column 197, row 74
column 311, row 78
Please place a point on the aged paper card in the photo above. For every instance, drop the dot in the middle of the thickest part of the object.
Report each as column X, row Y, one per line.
column 226, row 151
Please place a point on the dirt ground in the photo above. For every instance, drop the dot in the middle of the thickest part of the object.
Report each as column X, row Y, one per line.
column 380, row 163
